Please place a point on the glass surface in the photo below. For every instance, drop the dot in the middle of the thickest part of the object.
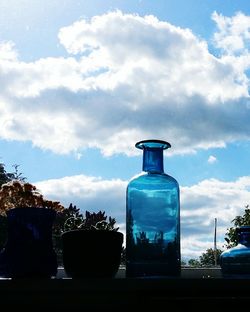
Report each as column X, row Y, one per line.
column 236, row 260
column 153, row 217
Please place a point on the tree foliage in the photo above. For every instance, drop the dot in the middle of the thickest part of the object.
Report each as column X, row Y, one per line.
column 231, row 236
column 208, row 257
column 194, row 263
column 9, row 176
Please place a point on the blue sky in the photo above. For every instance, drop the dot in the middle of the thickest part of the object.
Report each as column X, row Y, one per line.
column 83, row 81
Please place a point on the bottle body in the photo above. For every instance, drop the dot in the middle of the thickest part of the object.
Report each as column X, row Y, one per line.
column 236, row 260
column 152, row 225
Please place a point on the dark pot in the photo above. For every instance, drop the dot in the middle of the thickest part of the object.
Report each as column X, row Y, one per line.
column 28, row 251
column 89, row 253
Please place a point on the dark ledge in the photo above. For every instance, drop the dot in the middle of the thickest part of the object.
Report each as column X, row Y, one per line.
column 198, row 289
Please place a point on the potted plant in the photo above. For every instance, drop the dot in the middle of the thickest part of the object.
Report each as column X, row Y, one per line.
column 28, row 251
column 92, row 246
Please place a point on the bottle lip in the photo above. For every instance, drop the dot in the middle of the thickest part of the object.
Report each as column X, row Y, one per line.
column 152, row 144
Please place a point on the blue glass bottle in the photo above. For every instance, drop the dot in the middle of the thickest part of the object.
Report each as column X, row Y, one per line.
column 152, row 217
column 236, row 260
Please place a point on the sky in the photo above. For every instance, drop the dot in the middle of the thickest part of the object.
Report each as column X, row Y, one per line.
column 82, row 81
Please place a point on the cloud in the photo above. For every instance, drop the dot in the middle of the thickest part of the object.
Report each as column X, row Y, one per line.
column 126, row 78
column 8, row 51
column 212, row 159
column 89, row 193
column 200, row 205
column 205, row 201
column 233, row 34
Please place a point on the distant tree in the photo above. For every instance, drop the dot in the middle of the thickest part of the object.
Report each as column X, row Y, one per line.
column 4, row 176
column 194, row 263
column 17, row 175
column 9, row 176
column 231, row 237
column 208, row 257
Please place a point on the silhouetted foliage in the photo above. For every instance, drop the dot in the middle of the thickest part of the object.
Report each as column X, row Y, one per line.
column 71, row 218
column 183, row 263
column 18, row 194
column 9, row 176
column 70, row 212
column 194, row 263
column 91, row 221
column 231, row 237
column 58, row 228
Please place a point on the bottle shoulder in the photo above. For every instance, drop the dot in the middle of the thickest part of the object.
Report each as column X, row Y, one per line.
column 237, row 250
column 146, row 177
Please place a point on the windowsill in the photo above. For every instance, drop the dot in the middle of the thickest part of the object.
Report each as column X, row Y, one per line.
column 186, row 272
column 204, row 286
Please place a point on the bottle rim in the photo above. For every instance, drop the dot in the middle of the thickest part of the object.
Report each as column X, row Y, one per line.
column 153, row 143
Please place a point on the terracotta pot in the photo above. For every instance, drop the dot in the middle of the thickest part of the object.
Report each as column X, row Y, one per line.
column 91, row 253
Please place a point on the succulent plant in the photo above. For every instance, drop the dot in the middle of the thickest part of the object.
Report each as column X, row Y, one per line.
column 91, row 221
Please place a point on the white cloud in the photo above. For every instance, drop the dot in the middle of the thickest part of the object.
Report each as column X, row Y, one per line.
column 212, row 159
column 200, row 205
column 8, row 51
column 127, row 78
column 233, row 34
column 89, row 193
column 204, row 202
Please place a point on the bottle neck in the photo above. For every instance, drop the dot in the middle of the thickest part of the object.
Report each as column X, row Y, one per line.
column 153, row 160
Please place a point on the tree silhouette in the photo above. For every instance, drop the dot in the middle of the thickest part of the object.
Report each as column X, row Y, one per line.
column 231, row 236
column 9, row 176
column 207, row 258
